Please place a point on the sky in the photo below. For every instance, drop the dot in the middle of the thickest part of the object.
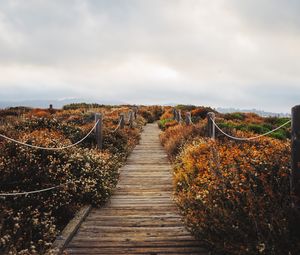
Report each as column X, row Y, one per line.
column 221, row 53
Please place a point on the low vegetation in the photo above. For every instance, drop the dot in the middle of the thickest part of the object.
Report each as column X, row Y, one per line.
column 81, row 174
column 234, row 196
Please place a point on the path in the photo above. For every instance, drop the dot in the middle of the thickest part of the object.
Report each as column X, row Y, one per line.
column 141, row 217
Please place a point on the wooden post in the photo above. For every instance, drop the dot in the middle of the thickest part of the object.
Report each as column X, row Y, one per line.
column 211, row 131
column 131, row 119
column 122, row 120
column 295, row 177
column 135, row 110
column 99, row 130
column 179, row 116
column 188, row 120
column 174, row 114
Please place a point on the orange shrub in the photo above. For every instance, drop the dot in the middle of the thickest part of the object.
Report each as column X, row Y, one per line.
column 236, row 196
column 168, row 113
column 174, row 137
column 39, row 113
column 201, row 112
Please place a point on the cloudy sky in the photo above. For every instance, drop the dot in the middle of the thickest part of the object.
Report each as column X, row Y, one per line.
column 227, row 53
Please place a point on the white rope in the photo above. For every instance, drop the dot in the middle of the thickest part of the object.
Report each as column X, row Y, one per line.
column 117, row 126
column 249, row 138
column 190, row 119
column 28, row 192
column 50, row 149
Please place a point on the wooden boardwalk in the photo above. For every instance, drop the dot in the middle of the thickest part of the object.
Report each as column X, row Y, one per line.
column 141, row 217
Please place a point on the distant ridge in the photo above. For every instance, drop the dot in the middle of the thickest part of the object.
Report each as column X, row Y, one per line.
column 258, row 112
column 57, row 103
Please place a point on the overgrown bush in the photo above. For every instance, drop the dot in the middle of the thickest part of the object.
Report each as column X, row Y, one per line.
column 165, row 123
column 30, row 223
column 263, row 127
column 236, row 196
column 175, row 137
column 150, row 113
column 84, row 175
column 201, row 113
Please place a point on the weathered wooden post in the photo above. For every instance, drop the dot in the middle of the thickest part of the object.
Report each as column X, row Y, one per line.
column 135, row 110
column 211, row 131
column 174, row 114
column 122, row 120
column 295, row 181
column 131, row 117
column 179, row 116
column 99, row 130
column 188, row 120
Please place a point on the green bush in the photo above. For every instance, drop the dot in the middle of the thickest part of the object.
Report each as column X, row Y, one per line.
column 231, row 127
column 235, row 116
column 187, row 108
column 162, row 123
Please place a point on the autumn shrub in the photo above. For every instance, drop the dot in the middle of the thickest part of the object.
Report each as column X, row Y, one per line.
column 150, row 113
column 8, row 112
column 235, row 116
column 201, row 112
column 184, row 107
column 167, row 113
column 121, row 141
column 73, row 132
column 175, row 137
column 235, row 196
column 263, row 127
column 163, row 124
column 83, row 174
column 30, row 223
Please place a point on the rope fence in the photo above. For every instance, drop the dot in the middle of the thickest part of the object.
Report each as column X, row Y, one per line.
column 99, row 137
column 50, row 148
column 118, row 126
column 212, row 125
column 249, row 138
column 30, row 192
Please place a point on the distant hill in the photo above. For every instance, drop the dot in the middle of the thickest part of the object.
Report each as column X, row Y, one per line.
column 258, row 112
column 56, row 103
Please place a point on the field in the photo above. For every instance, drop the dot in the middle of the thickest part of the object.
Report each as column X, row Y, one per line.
column 234, row 196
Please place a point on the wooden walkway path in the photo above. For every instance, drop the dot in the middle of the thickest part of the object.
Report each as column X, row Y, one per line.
column 141, row 217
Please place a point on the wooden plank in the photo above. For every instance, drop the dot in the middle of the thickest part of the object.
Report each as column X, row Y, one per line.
column 138, row 244
column 69, row 231
column 137, row 250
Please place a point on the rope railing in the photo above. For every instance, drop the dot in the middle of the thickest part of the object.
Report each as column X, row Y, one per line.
column 118, row 126
column 248, row 138
column 30, row 192
column 96, row 127
column 50, row 148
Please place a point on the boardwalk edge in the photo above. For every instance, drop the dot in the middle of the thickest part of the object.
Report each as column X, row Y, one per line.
column 70, row 230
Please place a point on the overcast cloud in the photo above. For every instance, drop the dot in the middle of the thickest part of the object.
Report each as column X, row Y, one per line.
column 227, row 53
